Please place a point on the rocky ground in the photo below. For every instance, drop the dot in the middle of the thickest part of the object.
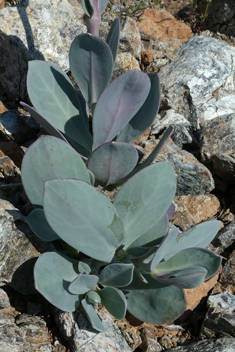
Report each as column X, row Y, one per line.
column 193, row 55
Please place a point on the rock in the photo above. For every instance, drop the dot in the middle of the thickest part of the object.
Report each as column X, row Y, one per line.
column 149, row 340
column 2, row 4
column 130, row 40
column 41, row 30
column 199, row 83
column 224, row 167
column 4, row 299
column 24, row 334
column 8, row 171
column 130, row 333
column 220, row 15
column 14, row 127
column 124, row 62
column 224, row 301
column 161, row 25
column 218, row 345
column 13, row 151
column 181, row 133
column 224, row 239
column 195, row 295
column 218, row 136
column 82, row 338
column 227, row 278
column 19, row 248
column 220, row 317
column 192, row 177
column 192, row 210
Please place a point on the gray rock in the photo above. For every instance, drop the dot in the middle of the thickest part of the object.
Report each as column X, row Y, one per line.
column 192, row 177
column 82, row 338
column 220, row 317
column 218, row 136
column 224, row 301
column 221, row 15
column 182, row 127
column 4, row 299
column 224, row 239
column 199, row 84
column 211, row 345
column 130, row 40
column 19, row 249
column 14, row 127
column 24, row 334
column 35, row 29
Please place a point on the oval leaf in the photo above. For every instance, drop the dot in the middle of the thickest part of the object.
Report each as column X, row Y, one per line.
column 114, row 301
column 83, row 283
column 46, row 159
column 118, row 104
column 83, row 217
column 198, row 236
column 144, row 199
column 91, row 64
column 54, row 97
column 53, row 274
column 190, row 258
column 145, row 116
column 112, row 161
column 93, row 297
column 117, row 275
column 92, row 316
column 154, row 302
column 39, row 225
column 186, row 278
column 114, row 37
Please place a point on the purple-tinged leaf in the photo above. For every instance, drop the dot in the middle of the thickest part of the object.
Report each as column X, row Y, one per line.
column 116, row 106
column 112, row 161
column 144, row 118
column 152, row 156
column 91, row 63
column 186, row 278
column 171, row 211
column 189, row 258
column 114, row 37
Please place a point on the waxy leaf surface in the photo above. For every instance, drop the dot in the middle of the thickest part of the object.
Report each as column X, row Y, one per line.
column 53, row 274
column 83, row 217
column 46, row 159
column 39, row 225
column 114, row 301
column 117, row 275
column 92, row 316
column 114, row 37
column 83, row 283
column 55, row 98
column 144, row 199
column 119, row 102
column 91, row 63
column 144, row 118
column 112, row 161
column 154, row 302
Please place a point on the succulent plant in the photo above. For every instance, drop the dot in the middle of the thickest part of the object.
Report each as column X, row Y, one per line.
column 122, row 253
column 119, row 111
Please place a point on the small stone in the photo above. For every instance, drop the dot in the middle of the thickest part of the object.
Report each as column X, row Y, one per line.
column 4, row 299
column 161, row 25
column 149, row 340
column 192, row 210
column 165, row 342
